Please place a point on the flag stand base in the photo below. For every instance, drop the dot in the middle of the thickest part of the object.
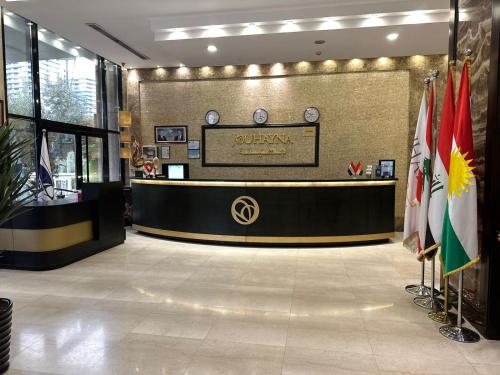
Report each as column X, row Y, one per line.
column 430, row 303
column 443, row 318
column 419, row 290
column 459, row 334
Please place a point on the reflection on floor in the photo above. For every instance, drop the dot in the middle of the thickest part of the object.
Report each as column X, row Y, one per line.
column 160, row 307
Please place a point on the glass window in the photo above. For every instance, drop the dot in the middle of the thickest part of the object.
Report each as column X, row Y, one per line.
column 25, row 129
column 18, row 65
column 68, row 81
column 62, row 150
column 113, row 106
column 114, row 157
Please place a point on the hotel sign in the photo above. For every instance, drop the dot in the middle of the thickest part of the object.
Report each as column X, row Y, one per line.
column 267, row 146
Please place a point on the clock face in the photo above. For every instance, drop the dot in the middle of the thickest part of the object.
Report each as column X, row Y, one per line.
column 260, row 116
column 311, row 114
column 212, row 117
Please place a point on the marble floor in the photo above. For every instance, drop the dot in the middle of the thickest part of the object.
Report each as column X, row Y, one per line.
column 152, row 306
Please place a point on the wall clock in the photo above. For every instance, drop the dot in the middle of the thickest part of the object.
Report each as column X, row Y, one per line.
column 212, row 117
column 260, row 116
column 311, row 114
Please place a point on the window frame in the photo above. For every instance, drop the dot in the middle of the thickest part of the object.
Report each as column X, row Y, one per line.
column 62, row 127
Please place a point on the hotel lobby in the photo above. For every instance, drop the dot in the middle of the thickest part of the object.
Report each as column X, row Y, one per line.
column 252, row 187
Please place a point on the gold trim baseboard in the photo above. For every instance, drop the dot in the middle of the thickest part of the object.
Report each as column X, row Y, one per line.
column 279, row 184
column 263, row 239
column 50, row 239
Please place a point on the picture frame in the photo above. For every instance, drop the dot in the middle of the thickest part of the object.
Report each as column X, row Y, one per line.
column 165, row 152
column 387, row 168
column 194, row 154
column 149, row 152
column 194, row 144
column 170, row 134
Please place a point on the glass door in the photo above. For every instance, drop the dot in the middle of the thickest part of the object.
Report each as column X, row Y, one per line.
column 92, row 159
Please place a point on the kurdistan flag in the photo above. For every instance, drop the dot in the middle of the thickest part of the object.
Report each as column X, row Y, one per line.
column 424, row 174
column 439, row 187
column 410, row 236
column 459, row 243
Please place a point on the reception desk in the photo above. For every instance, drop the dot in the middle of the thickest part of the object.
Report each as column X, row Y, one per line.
column 265, row 212
column 48, row 235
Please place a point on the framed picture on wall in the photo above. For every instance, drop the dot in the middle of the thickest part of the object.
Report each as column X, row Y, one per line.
column 193, row 144
column 194, row 154
column 165, row 152
column 149, row 152
column 170, row 134
column 387, row 168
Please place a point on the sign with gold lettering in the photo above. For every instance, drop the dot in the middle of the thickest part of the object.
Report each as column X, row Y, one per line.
column 272, row 145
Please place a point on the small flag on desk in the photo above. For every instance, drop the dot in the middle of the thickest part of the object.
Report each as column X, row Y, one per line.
column 459, row 248
column 45, row 179
column 413, row 198
column 355, row 170
column 439, row 187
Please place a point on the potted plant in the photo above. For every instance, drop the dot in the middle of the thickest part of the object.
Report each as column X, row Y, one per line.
column 16, row 190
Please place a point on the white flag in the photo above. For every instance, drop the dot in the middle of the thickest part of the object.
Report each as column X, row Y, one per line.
column 45, row 179
column 410, row 236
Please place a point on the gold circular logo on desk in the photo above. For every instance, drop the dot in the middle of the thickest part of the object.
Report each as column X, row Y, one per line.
column 245, row 210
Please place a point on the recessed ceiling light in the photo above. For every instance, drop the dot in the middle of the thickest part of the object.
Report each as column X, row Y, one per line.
column 60, row 39
column 181, row 65
column 392, row 36
column 9, row 14
column 211, row 48
column 42, row 30
column 78, row 47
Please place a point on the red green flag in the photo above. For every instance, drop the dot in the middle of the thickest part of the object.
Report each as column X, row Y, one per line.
column 460, row 241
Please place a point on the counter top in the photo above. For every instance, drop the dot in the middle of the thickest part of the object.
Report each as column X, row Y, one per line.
column 268, row 183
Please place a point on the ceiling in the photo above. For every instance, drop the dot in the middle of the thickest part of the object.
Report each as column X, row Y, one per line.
column 174, row 32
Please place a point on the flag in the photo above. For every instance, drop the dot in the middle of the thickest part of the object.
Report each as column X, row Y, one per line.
column 410, row 236
column 439, row 186
column 459, row 248
column 424, row 174
column 45, row 179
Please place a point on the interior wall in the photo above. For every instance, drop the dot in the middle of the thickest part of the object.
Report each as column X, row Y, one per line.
column 368, row 109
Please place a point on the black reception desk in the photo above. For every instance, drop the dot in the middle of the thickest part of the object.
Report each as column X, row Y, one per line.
column 265, row 212
column 48, row 235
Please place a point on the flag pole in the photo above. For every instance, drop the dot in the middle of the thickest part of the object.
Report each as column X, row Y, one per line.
column 457, row 332
column 420, row 290
column 444, row 316
column 430, row 301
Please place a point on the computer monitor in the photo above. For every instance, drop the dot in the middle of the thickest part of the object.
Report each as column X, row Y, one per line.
column 175, row 171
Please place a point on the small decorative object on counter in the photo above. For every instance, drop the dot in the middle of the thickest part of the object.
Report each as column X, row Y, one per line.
column 369, row 171
column 377, row 171
column 355, row 170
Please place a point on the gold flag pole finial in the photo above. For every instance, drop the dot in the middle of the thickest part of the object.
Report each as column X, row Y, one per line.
column 468, row 60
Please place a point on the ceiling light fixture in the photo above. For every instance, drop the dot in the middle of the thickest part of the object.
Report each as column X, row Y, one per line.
column 42, row 30
column 60, row 39
column 78, row 47
column 392, row 36
column 181, row 65
column 211, row 48
column 9, row 14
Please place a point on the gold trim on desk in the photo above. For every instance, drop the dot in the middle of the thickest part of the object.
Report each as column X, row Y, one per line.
column 263, row 239
column 50, row 239
column 278, row 184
